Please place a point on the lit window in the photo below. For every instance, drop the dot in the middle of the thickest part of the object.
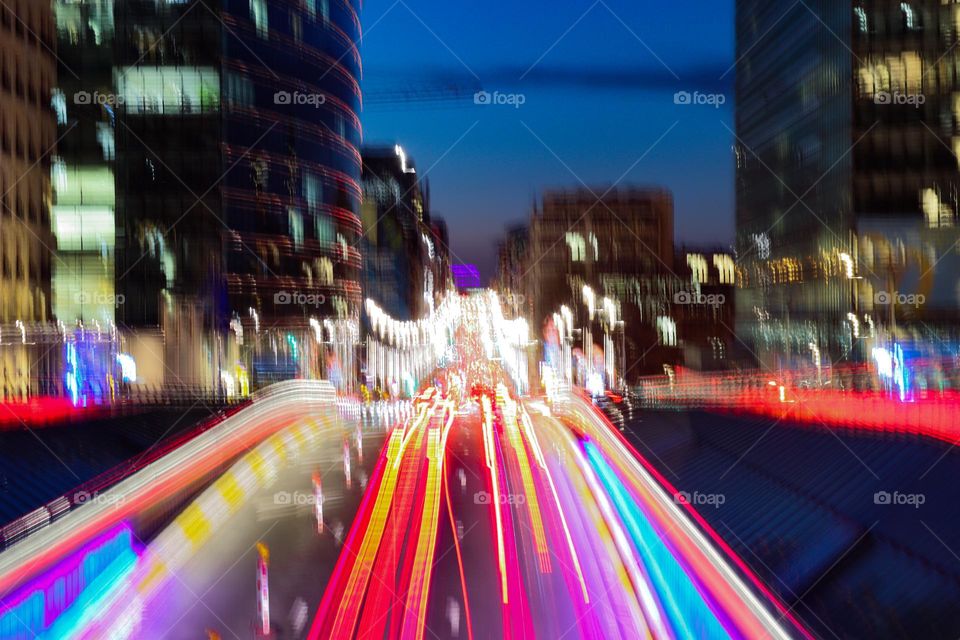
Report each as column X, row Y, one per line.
column 725, row 267
column 258, row 13
column 59, row 103
column 699, row 271
column 296, row 226
column 312, row 192
column 895, row 73
column 667, row 331
column 106, row 140
column 296, row 27
column 862, row 19
column 578, row 247
column 152, row 89
column 909, row 15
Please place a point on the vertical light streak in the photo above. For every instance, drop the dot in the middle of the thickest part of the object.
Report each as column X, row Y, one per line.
column 422, row 571
column 541, row 461
column 532, row 502
column 357, row 582
column 456, row 545
column 491, row 456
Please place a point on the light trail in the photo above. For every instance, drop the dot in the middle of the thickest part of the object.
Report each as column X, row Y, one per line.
column 577, row 536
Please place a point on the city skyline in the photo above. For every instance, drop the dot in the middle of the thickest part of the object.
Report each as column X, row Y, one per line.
column 610, row 319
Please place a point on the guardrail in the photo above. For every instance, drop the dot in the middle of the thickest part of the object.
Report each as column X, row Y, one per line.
column 40, row 538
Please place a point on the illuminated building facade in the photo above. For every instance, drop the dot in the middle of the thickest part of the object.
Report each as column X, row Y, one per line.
column 405, row 260
column 621, row 248
column 703, row 306
column 222, row 139
column 847, row 182
column 27, row 133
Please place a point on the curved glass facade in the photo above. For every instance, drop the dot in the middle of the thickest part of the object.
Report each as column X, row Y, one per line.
column 290, row 124
column 237, row 164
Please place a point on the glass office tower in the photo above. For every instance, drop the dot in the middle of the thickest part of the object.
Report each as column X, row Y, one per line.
column 229, row 134
column 846, row 176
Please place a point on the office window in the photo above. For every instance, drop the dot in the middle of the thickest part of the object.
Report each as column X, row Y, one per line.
column 258, row 13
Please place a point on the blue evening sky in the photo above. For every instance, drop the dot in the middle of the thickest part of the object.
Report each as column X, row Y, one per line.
column 598, row 80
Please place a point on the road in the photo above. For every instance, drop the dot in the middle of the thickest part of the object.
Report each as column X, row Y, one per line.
column 476, row 514
column 488, row 520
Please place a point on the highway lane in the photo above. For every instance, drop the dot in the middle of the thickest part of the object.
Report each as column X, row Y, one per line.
column 482, row 516
column 214, row 589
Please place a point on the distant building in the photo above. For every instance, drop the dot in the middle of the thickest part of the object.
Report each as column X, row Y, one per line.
column 512, row 265
column 848, row 187
column 441, row 245
column 621, row 248
column 404, row 262
column 27, row 135
column 703, row 307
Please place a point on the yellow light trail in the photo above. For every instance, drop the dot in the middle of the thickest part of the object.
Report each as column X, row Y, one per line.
column 422, row 570
column 529, row 487
column 538, row 454
column 357, row 583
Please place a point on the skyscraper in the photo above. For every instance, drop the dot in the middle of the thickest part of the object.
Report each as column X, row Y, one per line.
column 402, row 262
column 27, row 133
column 847, row 179
column 225, row 137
